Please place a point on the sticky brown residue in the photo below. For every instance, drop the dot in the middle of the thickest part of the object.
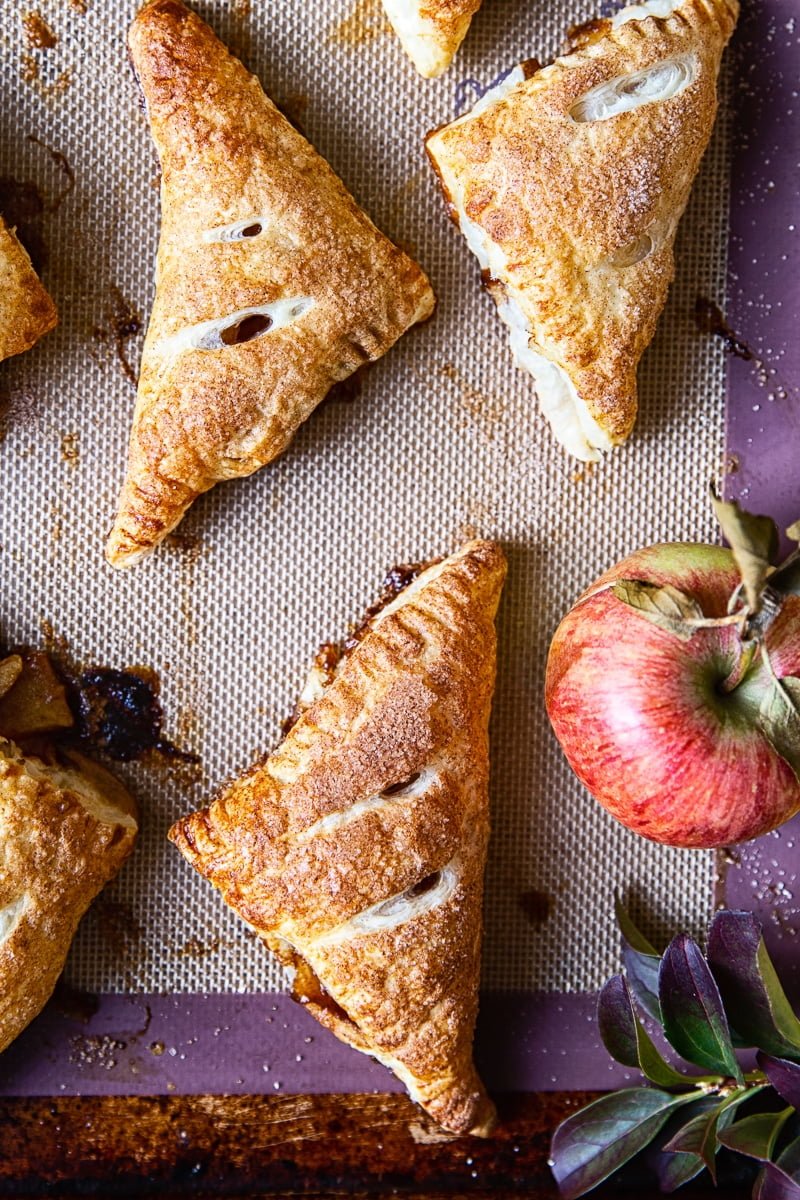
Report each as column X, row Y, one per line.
column 188, row 545
column 537, row 906
column 395, row 582
column 63, row 165
column 70, row 452
column 79, row 6
column 117, row 926
column 709, row 318
column 30, row 71
column 366, row 21
column 119, row 712
column 122, row 322
column 194, row 948
column 583, row 474
column 54, row 643
column 483, row 408
column 580, row 35
column 38, row 34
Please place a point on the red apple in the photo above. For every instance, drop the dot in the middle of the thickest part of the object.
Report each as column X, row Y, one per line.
column 656, row 725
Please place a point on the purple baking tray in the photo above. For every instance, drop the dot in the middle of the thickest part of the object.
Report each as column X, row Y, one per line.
column 529, row 1042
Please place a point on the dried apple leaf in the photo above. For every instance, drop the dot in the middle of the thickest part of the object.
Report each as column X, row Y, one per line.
column 779, row 718
column 661, row 604
column 754, row 543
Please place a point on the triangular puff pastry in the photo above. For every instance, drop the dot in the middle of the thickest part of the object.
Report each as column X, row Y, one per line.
column 26, row 310
column 431, row 30
column 568, row 183
column 66, row 827
column 357, row 849
column 271, row 283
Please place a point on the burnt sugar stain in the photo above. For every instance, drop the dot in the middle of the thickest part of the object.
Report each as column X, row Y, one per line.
column 62, row 165
column 709, row 318
column 122, row 323
column 38, row 34
column 537, row 906
column 119, row 713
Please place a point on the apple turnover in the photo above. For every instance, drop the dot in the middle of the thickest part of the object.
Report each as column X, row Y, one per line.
column 66, row 827
column 271, row 283
column 568, row 183
column 26, row 310
column 431, row 30
column 357, row 849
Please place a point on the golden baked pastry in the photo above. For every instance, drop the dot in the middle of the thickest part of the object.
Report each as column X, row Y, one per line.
column 26, row 310
column 66, row 827
column 568, row 183
column 357, row 849
column 431, row 30
column 271, row 283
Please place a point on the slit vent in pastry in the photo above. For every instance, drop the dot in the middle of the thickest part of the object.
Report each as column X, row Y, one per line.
column 568, row 184
column 431, row 31
column 271, row 283
column 26, row 310
column 357, row 850
column 65, row 830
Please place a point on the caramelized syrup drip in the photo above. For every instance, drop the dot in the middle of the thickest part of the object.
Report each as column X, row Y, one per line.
column 119, row 713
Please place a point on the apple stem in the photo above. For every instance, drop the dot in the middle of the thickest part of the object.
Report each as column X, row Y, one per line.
column 743, row 664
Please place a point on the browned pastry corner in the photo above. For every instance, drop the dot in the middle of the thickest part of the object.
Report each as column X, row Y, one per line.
column 357, row 849
column 66, row 827
column 26, row 310
column 431, row 30
column 568, row 183
column 271, row 283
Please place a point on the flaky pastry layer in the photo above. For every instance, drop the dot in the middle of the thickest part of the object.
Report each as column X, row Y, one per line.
column 569, row 181
column 357, row 849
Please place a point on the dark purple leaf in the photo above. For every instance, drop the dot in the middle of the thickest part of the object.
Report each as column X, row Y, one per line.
column 694, row 1019
column 593, row 1143
column 756, row 1135
column 626, row 1039
column 774, row 1184
column 699, row 1135
column 783, row 1075
column 617, row 1022
column 754, row 999
column 641, row 971
column 675, row 1169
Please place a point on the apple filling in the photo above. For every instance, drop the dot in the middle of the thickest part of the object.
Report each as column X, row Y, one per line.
column 238, row 327
column 238, row 231
column 625, row 93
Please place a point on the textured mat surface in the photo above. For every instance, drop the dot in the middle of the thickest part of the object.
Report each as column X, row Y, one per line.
column 442, row 441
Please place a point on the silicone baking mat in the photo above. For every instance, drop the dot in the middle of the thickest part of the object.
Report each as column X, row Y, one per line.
column 440, row 442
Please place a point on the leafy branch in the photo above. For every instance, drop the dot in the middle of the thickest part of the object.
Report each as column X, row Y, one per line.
column 707, row 1006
